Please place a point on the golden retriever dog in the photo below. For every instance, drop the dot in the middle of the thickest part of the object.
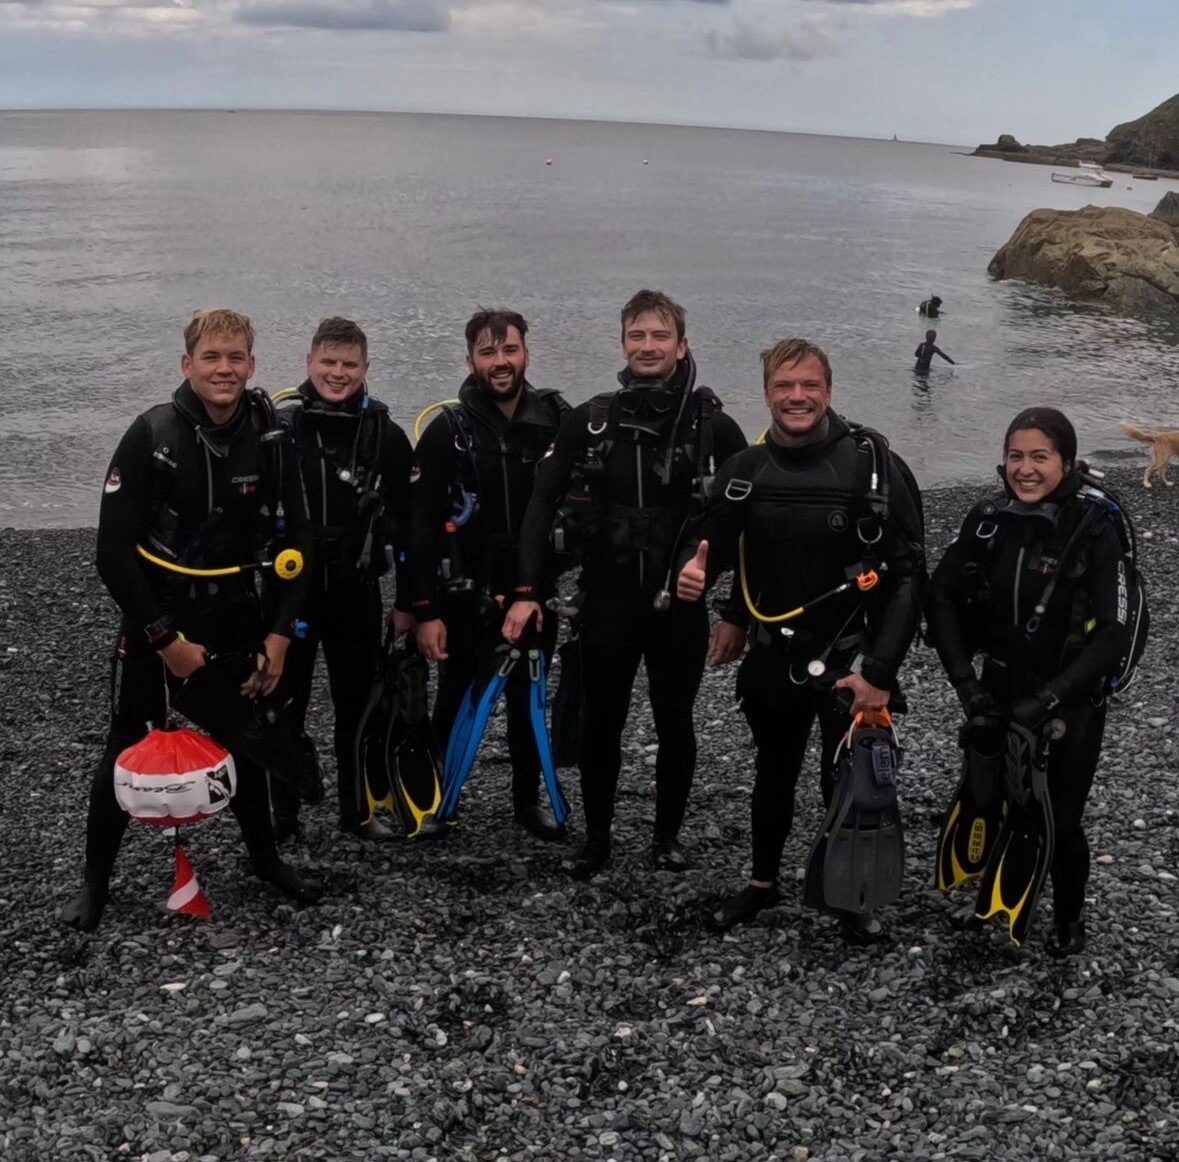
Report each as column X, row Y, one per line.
column 1163, row 445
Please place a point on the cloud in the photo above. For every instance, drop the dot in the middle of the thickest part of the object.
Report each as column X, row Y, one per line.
column 348, row 15
column 905, row 7
column 744, row 41
column 71, row 17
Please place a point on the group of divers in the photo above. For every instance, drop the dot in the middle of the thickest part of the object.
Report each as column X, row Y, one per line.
column 237, row 539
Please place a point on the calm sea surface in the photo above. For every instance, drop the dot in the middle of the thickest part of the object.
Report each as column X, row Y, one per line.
column 115, row 226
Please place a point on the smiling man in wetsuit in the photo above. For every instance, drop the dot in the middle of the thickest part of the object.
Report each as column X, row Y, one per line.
column 202, row 482
column 642, row 454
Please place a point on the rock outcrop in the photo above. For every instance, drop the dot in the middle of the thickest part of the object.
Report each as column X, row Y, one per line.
column 1005, row 144
column 1119, row 256
column 1151, row 141
column 1149, row 144
column 1168, row 209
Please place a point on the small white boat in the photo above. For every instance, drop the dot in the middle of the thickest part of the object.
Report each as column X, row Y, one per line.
column 1087, row 173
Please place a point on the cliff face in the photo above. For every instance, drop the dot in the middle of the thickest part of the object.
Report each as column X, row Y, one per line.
column 1150, row 143
column 1152, row 140
column 1107, row 253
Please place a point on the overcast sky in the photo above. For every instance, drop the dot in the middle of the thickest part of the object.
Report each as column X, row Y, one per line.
column 932, row 70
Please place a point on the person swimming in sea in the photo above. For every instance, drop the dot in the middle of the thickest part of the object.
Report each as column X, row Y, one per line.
column 930, row 308
column 926, row 351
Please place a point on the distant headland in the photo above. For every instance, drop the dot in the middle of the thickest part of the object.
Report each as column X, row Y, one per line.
column 1147, row 146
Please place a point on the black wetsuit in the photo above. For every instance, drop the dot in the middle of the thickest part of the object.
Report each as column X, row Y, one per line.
column 622, row 440
column 493, row 460
column 924, row 354
column 354, row 465
column 206, row 496
column 982, row 600
column 802, row 511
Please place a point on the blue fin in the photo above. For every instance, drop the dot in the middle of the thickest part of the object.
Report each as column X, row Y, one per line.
column 469, row 726
column 537, row 697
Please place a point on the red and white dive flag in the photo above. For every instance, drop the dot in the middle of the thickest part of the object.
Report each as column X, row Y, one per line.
column 187, row 896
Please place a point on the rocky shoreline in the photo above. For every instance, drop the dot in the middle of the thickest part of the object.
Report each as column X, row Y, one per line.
column 464, row 1000
column 1147, row 146
column 1066, row 157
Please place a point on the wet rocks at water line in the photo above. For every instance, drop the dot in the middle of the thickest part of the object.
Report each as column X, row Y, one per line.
column 1128, row 259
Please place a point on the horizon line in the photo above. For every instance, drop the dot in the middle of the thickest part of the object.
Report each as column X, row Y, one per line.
column 461, row 113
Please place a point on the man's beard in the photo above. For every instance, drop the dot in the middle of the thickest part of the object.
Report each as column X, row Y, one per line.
column 499, row 394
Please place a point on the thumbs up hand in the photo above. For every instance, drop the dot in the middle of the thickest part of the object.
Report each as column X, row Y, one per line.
column 693, row 578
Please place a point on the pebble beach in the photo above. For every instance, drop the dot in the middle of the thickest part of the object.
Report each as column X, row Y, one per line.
column 464, row 1000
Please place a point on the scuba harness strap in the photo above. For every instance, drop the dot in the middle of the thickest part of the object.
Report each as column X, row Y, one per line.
column 166, row 431
column 1099, row 503
column 864, row 574
column 466, row 487
column 360, row 471
column 689, row 448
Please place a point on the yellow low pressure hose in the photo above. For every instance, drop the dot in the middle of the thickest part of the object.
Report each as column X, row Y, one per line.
column 287, row 565
column 419, row 423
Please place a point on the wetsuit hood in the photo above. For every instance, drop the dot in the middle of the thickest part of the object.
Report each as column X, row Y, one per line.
column 529, row 408
column 837, row 429
column 685, row 370
column 353, row 405
column 1048, row 508
column 217, row 437
column 650, row 404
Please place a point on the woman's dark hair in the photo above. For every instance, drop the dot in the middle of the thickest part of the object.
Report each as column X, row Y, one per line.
column 1054, row 424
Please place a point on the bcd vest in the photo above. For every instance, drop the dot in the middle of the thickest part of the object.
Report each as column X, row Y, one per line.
column 232, row 509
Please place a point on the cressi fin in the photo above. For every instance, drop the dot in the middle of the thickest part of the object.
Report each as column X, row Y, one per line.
column 1015, row 873
column 975, row 815
column 374, row 789
column 412, row 757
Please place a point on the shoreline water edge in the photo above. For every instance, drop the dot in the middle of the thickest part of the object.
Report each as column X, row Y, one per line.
column 464, row 1000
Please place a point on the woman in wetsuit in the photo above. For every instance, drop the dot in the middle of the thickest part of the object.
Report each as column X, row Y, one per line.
column 1036, row 585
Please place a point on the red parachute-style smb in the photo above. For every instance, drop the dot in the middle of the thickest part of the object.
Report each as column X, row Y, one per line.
column 172, row 777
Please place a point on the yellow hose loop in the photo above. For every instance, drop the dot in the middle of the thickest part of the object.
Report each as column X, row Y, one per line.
column 287, row 565
column 419, row 423
column 186, row 570
column 754, row 612
column 283, row 394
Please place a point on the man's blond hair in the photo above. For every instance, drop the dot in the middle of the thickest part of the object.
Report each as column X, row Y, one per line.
column 791, row 351
column 220, row 322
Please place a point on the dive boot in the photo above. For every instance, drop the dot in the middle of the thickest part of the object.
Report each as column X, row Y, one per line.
column 290, row 882
column 375, row 829
column 539, row 822
column 744, row 906
column 1067, row 939
column 862, row 929
column 84, row 911
column 669, row 855
column 593, row 856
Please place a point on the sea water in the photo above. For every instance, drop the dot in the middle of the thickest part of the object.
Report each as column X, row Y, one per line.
column 116, row 226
